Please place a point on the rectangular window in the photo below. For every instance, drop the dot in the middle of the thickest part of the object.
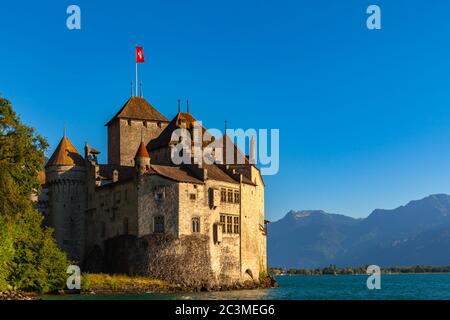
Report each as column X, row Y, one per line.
column 193, row 196
column 223, row 195
column 222, row 222
column 237, row 196
column 236, row 225
column 195, row 225
column 230, row 196
column 158, row 224
column 229, row 224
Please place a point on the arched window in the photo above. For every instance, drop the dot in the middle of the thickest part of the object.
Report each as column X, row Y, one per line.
column 195, row 225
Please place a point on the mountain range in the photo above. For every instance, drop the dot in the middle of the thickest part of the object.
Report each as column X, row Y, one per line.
column 415, row 234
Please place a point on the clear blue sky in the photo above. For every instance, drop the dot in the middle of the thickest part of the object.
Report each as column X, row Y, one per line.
column 364, row 116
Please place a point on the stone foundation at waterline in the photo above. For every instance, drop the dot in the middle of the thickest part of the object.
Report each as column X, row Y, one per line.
column 168, row 258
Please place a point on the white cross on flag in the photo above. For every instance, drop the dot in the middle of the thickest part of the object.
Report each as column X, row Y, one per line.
column 140, row 55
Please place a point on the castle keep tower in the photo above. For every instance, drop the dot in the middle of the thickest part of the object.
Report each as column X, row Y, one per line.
column 65, row 179
column 138, row 121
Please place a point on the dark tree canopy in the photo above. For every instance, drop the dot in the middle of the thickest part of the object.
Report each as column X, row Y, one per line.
column 29, row 257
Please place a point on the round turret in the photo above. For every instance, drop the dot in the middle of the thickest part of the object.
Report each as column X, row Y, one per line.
column 66, row 180
column 142, row 159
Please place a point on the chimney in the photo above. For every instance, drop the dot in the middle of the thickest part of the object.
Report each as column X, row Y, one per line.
column 252, row 151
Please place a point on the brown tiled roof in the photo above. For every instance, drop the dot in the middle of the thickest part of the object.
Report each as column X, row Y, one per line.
column 125, row 172
column 216, row 173
column 65, row 155
column 163, row 140
column 182, row 119
column 139, row 109
column 175, row 173
column 142, row 151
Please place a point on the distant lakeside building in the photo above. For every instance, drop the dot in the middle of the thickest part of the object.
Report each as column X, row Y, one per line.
column 140, row 214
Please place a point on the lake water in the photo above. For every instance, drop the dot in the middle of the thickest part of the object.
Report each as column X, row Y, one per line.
column 405, row 286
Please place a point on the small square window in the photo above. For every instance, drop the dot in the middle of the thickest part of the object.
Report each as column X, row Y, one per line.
column 159, row 193
column 192, row 196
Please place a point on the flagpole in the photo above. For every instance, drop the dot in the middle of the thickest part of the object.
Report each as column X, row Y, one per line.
column 136, row 79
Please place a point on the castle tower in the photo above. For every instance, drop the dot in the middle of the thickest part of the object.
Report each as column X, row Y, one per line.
column 136, row 119
column 142, row 159
column 66, row 181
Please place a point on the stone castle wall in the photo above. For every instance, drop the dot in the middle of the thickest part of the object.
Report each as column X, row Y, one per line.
column 184, row 261
column 112, row 211
column 149, row 207
column 124, row 138
column 66, row 207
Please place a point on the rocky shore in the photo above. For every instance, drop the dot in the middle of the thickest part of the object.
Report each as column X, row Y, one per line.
column 14, row 295
column 101, row 284
column 106, row 284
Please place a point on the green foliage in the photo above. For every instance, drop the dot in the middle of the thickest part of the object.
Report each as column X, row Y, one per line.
column 122, row 283
column 6, row 254
column 29, row 257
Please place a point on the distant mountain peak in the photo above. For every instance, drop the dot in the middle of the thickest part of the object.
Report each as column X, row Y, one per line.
column 305, row 213
column 415, row 233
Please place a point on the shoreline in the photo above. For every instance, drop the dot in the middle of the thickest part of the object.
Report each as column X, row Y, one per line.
column 168, row 288
column 359, row 274
column 102, row 284
column 18, row 295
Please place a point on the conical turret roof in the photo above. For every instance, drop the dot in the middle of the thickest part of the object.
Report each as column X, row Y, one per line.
column 142, row 152
column 65, row 155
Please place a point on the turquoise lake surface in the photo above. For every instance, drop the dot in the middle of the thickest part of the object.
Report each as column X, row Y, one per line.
column 393, row 287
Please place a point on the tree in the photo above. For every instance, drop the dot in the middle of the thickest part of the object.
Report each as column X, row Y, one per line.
column 29, row 257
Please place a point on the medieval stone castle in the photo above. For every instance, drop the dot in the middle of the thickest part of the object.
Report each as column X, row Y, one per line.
column 140, row 214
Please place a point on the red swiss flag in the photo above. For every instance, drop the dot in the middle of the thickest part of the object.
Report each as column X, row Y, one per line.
column 140, row 54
